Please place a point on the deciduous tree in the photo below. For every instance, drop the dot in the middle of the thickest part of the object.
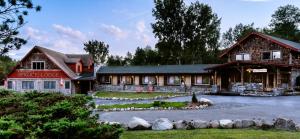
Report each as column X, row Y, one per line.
column 98, row 50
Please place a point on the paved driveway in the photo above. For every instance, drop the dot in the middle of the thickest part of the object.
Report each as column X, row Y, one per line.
column 229, row 107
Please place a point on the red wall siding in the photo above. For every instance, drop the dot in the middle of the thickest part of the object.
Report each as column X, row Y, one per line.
column 38, row 74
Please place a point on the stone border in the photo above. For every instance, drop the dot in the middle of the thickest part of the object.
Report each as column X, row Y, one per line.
column 151, row 108
column 137, row 123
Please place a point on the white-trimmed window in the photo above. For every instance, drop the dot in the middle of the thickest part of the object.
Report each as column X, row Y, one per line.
column 38, row 65
column 27, row 85
column 49, row 84
column 148, row 80
column 127, row 80
column 202, row 80
column 67, row 84
column 106, row 79
column 276, row 54
column 243, row 56
column 9, row 85
column 173, row 80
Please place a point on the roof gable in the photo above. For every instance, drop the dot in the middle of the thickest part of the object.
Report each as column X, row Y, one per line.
column 281, row 42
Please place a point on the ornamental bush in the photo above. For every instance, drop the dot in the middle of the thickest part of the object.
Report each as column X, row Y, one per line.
column 194, row 98
column 51, row 115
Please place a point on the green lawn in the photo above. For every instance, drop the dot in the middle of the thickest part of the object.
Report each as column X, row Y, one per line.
column 148, row 105
column 135, row 94
column 211, row 134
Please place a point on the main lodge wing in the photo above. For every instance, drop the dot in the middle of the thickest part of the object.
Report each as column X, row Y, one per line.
column 43, row 69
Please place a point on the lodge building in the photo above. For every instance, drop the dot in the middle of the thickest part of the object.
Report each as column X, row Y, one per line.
column 257, row 62
column 43, row 69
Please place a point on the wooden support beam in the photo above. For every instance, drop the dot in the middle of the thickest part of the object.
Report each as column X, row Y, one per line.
column 278, row 81
column 215, row 78
column 242, row 75
column 267, row 80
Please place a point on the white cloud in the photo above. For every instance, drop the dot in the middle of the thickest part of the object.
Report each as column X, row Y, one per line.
column 35, row 34
column 115, row 31
column 140, row 26
column 69, row 32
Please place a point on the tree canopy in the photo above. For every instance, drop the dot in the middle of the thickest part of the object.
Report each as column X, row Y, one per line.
column 12, row 13
column 98, row 50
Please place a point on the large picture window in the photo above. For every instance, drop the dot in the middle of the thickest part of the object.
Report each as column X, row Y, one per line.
column 202, row 80
column 27, row 85
column 49, row 84
column 105, row 79
column 148, row 80
column 244, row 56
column 38, row 65
column 276, row 55
column 173, row 80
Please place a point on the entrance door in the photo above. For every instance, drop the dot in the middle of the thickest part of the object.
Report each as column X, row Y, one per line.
column 85, row 87
column 225, row 81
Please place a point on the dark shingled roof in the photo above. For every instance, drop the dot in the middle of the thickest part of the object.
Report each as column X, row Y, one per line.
column 287, row 42
column 162, row 69
column 61, row 59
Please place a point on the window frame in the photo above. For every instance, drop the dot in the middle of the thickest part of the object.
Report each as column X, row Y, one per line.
column 280, row 54
column 66, row 85
column 168, row 80
column 10, row 83
column 103, row 79
column 27, row 84
column 242, row 56
column 44, row 83
column 150, row 78
column 202, row 79
column 32, row 67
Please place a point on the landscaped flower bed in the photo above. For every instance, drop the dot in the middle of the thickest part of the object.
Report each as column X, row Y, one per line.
column 137, row 95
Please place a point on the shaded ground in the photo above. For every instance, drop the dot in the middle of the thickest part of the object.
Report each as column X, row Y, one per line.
column 229, row 107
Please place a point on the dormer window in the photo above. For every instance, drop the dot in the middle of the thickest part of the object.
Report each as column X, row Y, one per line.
column 38, row 65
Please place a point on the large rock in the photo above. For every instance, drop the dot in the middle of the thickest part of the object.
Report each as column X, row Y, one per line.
column 247, row 123
column 214, row 124
column 284, row 124
column 206, row 101
column 237, row 123
column 267, row 124
column 137, row 123
column 199, row 124
column 182, row 124
column 162, row 124
column 225, row 123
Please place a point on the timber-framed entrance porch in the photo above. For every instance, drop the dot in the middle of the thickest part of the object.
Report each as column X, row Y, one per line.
column 265, row 75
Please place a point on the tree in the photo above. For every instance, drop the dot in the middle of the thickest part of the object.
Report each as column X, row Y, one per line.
column 98, row 50
column 115, row 61
column 12, row 13
column 201, row 33
column 186, row 34
column 232, row 35
column 6, row 65
column 145, row 56
column 169, row 16
column 285, row 23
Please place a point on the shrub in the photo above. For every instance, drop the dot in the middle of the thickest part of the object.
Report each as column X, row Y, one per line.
column 51, row 115
column 194, row 98
column 156, row 104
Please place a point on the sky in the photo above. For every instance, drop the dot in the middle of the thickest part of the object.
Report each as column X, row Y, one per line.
column 64, row 25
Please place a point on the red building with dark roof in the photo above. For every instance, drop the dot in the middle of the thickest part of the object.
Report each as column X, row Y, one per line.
column 46, row 70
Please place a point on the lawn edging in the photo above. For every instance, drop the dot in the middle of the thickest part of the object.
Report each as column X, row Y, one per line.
column 141, row 98
column 161, row 124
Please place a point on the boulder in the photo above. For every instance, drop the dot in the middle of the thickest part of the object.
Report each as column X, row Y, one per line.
column 267, row 124
column 199, row 124
column 237, row 123
column 162, row 124
column 214, row 124
column 225, row 123
column 284, row 124
column 181, row 124
column 247, row 123
column 137, row 123
column 297, row 127
column 204, row 101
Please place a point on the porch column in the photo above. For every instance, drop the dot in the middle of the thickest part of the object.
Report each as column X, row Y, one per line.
column 278, row 77
column 242, row 75
column 90, row 85
column 267, row 80
column 215, row 78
